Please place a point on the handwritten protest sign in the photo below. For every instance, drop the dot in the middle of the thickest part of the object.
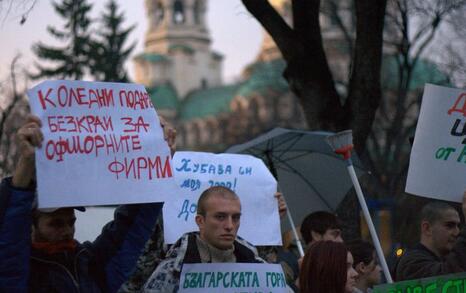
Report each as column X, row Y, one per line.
column 103, row 145
column 232, row 278
column 437, row 165
column 244, row 174
column 454, row 283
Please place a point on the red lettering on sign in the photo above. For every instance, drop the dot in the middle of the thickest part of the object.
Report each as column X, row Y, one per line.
column 80, row 124
column 145, row 168
column 135, row 126
column 96, row 144
column 135, row 99
column 45, row 99
column 457, row 107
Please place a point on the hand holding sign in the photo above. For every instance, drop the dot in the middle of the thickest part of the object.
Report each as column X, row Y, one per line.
column 281, row 204
column 103, row 145
column 28, row 137
column 169, row 134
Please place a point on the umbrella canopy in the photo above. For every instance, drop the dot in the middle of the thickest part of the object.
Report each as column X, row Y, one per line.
column 310, row 175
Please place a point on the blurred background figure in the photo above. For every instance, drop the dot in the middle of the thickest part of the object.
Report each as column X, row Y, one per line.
column 366, row 265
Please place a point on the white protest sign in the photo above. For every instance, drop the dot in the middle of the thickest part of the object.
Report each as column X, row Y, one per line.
column 103, row 145
column 246, row 175
column 437, row 167
column 232, row 278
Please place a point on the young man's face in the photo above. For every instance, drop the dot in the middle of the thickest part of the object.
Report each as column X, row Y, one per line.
column 445, row 231
column 221, row 221
column 55, row 227
column 330, row 234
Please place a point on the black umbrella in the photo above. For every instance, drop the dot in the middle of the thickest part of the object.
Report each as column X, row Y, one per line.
column 310, row 175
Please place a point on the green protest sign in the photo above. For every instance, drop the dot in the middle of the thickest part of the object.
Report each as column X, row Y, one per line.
column 454, row 283
column 232, row 278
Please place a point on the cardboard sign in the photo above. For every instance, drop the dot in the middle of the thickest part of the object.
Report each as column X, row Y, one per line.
column 437, row 166
column 247, row 176
column 103, row 145
column 232, row 278
column 454, row 283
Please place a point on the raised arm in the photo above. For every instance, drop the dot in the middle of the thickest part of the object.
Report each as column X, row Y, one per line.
column 119, row 246
column 16, row 198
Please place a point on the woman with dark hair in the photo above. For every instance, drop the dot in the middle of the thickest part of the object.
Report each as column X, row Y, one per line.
column 365, row 263
column 327, row 267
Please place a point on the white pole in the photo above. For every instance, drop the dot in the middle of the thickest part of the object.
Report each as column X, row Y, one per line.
column 293, row 227
column 295, row 234
column 370, row 224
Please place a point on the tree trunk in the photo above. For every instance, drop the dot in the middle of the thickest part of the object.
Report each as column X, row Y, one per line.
column 308, row 72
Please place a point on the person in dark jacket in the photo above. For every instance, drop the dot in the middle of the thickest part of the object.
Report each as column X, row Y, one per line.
column 442, row 249
column 218, row 219
column 37, row 248
column 155, row 252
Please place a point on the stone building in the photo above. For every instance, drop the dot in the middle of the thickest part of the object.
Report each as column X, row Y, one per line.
column 183, row 75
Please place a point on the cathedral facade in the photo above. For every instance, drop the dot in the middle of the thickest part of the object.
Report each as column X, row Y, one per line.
column 184, row 78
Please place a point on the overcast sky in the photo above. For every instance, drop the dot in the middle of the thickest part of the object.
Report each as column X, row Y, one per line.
column 235, row 33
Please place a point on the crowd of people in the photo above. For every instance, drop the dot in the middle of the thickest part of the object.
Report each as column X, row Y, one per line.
column 38, row 251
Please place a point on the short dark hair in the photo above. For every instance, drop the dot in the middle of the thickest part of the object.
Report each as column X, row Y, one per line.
column 214, row 190
column 362, row 251
column 433, row 211
column 318, row 222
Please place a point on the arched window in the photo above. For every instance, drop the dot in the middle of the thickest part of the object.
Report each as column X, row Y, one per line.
column 204, row 83
column 214, row 131
column 159, row 13
column 181, row 137
column 197, row 12
column 178, row 12
column 254, row 110
column 196, row 137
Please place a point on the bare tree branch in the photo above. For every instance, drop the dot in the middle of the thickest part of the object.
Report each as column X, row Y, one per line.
column 274, row 24
column 333, row 12
column 16, row 97
column 14, row 5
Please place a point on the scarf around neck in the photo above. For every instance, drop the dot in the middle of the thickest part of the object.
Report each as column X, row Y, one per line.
column 211, row 254
column 55, row 247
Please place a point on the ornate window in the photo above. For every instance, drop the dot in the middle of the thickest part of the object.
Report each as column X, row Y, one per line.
column 204, row 83
column 178, row 12
column 197, row 12
column 159, row 13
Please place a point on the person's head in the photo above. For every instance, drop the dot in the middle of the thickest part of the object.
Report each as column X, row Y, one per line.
column 218, row 216
column 53, row 226
column 439, row 227
column 365, row 263
column 321, row 225
column 327, row 267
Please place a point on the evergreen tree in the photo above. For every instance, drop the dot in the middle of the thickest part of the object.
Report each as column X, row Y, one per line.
column 108, row 53
column 72, row 59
